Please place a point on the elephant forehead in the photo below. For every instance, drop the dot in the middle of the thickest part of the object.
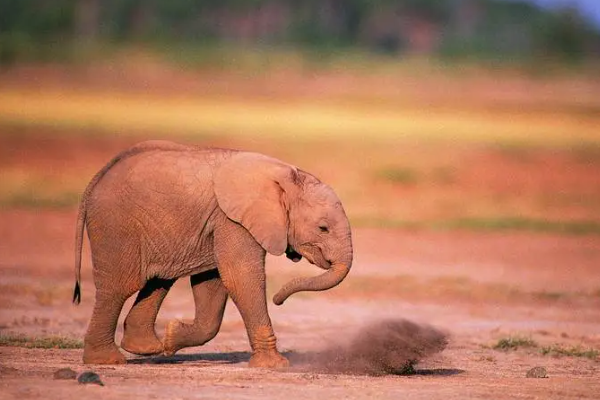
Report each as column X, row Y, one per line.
column 324, row 196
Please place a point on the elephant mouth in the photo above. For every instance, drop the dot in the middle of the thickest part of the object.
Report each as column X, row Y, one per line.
column 292, row 254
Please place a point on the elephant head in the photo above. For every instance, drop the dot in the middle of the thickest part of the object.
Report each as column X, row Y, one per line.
column 287, row 210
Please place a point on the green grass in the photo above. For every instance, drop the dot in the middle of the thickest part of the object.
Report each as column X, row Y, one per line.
column 399, row 175
column 410, row 176
column 375, row 125
column 36, row 189
column 274, row 118
column 558, row 350
column 544, row 295
column 523, row 224
column 31, row 199
column 484, row 224
column 48, row 342
column 585, row 154
column 555, row 350
column 261, row 90
column 514, row 343
column 11, row 294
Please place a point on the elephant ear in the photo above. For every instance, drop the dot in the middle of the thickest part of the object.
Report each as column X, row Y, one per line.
column 252, row 189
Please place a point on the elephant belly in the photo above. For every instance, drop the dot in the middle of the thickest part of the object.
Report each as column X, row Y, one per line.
column 176, row 264
column 180, row 250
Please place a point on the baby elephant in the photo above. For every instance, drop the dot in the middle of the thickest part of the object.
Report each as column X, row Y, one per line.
column 159, row 211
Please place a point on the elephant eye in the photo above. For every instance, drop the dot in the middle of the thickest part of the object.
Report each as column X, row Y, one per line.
column 324, row 229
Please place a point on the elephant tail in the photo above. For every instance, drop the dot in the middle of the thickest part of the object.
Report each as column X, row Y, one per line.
column 78, row 245
column 81, row 219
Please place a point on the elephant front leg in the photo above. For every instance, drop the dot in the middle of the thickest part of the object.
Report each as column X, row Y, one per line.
column 242, row 269
column 248, row 294
column 210, row 297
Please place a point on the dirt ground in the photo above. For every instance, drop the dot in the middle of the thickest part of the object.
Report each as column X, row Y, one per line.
column 476, row 287
column 36, row 292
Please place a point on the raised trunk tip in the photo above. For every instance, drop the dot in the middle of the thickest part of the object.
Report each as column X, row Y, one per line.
column 328, row 279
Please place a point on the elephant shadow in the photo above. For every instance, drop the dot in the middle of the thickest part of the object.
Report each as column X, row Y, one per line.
column 301, row 362
column 233, row 357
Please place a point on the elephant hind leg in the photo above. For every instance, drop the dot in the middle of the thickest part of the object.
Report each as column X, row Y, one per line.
column 100, row 347
column 210, row 298
column 139, row 335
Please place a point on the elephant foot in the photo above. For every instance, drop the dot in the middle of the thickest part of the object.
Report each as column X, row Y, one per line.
column 179, row 335
column 171, row 343
column 106, row 355
column 268, row 359
column 143, row 344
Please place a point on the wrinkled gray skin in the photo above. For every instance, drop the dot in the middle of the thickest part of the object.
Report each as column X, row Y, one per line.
column 160, row 211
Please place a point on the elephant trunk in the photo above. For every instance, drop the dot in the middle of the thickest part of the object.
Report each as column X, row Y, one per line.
column 328, row 279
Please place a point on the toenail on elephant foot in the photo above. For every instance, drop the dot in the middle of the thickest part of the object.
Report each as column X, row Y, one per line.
column 271, row 359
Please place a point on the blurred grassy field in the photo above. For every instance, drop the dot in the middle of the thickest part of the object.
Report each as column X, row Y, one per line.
column 297, row 119
column 411, row 149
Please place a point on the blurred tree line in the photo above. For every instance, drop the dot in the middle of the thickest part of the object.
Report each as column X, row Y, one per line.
column 453, row 28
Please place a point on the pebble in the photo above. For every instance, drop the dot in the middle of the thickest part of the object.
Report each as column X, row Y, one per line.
column 90, row 377
column 537, row 372
column 65, row 373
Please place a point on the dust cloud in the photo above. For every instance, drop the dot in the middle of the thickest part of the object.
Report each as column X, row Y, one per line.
column 380, row 348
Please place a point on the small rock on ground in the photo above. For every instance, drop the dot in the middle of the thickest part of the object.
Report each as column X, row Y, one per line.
column 537, row 372
column 90, row 377
column 65, row 373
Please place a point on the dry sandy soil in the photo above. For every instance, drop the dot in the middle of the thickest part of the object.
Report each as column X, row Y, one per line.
column 539, row 287
column 476, row 287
